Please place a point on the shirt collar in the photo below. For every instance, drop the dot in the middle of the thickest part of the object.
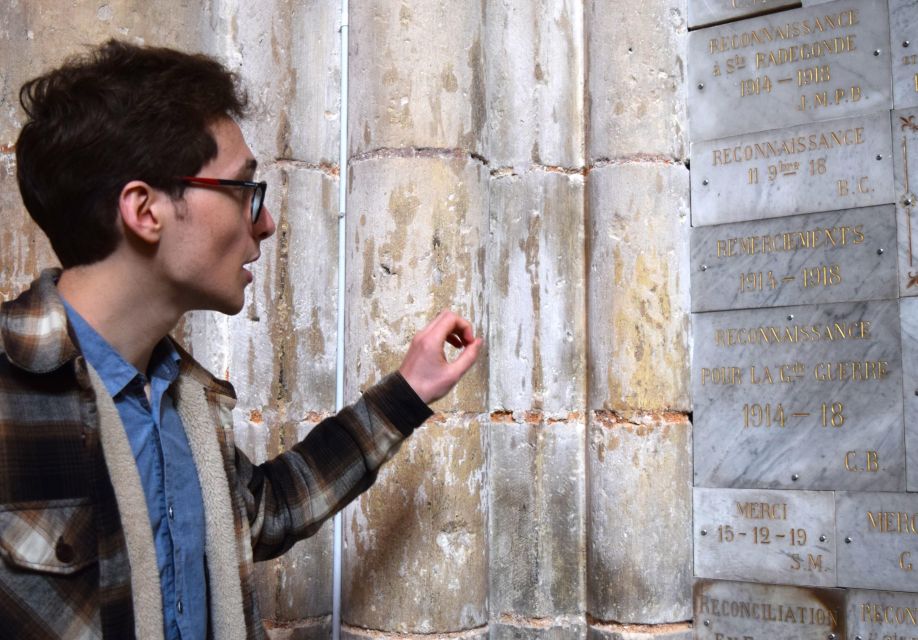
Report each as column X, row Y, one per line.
column 116, row 372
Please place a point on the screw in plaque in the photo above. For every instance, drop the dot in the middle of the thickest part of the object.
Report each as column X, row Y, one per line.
column 905, row 43
column 790, row 317
column 704, row 267
column 707, row 623
column 881, row 251
column 848, row 540
column 704, row 532
column 705, row 182
column 876, row 52
column 831, row 636
column 700, row 86
column 822, row 538
column 879, row 156
column 795, row 477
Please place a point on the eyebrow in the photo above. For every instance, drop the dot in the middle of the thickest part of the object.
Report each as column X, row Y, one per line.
column 247, row 171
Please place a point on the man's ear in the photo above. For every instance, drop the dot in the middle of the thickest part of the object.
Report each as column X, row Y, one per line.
column 142, row 210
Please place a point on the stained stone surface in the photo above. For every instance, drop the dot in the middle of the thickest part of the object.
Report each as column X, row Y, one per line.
column 417, row 76
column 788, row 68
column 638, row 294
column 416, row 246
column 819, row 257
column 883, row 548
column 635, row 78
column 903, row 32
column 415, row 544
column 905, row 161
column 882, row 614
column 536, row 518
column 799, row 398
column 813, row 167
column 537, row 291
column 534, row 77
column 704, row 12
column 909, row 312
column 639, row 484
column 773, row 612
column 765, row 536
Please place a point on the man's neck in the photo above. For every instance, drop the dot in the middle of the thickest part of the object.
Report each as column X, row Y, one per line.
column 121, row 308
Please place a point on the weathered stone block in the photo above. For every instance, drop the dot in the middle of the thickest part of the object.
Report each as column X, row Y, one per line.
column 312, row 629
column 415, row 246
column 40, row 35
column 291, row 66
column 421, row 76
column 636, row 78
column 415, row 545
column 639, row 555
column 537, row 292
column 24, row 247
column 534, row 75
column 682, row 631
column 536, row 469
column 638, row 296
column 355, row 633
column 547, row 629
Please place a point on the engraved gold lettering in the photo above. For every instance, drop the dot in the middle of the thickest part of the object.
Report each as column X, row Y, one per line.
column 762, row 510
column 905, row 561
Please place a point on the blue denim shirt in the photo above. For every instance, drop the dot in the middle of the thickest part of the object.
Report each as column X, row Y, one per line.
column 167, row 472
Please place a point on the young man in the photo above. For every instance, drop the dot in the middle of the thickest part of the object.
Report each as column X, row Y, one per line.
column 125, row 509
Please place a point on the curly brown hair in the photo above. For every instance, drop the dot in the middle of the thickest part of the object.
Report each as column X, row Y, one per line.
column 118, row 113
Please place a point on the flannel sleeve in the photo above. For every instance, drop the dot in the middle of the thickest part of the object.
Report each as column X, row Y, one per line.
column 289, row 497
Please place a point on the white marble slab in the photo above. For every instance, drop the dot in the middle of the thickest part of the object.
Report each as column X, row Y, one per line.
column 813, row 258
column 881, row 614
column 787, row 68
column 702, row 13
column 903, row 30
column 805, row 397
column 905, row 161
column 744, row 611
column 909, row 313
column 877, row 546
column 765, row 536
column 826, row 166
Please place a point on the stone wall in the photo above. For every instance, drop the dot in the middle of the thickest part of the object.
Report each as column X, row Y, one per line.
column 520, row 162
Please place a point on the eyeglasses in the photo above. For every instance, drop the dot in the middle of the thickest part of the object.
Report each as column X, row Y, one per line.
column 258, row 197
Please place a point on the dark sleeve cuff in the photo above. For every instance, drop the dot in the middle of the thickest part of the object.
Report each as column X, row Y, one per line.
column 396, row 400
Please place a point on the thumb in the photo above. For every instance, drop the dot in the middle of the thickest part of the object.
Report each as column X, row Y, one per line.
column 467, row 358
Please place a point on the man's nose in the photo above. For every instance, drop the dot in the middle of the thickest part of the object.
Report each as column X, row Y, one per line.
column 265, row 226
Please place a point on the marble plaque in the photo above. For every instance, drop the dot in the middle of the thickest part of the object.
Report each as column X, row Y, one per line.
column 877, row 542
column 903, row 29
column 706, row 12
column 874, row 615
column 790, row 67
column 909, row 311
column 804, row 397
column 818, row 257
column 905, row 161
column 743, row 611
column 765, row 536
column 825, row 166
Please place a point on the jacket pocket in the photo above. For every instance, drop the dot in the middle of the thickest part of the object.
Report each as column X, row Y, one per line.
column 52, row 536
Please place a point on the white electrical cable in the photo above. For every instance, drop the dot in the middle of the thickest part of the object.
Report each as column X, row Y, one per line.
column 339, row 361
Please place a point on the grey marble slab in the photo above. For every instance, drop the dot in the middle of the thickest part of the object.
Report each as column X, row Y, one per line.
column 875, row 615
column 826, row 166
column 812, row 258
column 905, row 161
column 903, row 32
column 765, row 536
column 706, row 12
column 877, row 545
column 805, row 397
column 788, row 68
column 908, row 308
column 744, row 611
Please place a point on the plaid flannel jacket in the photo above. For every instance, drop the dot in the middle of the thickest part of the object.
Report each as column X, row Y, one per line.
column 77, row 551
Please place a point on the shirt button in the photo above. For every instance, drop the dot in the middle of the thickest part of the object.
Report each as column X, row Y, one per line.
column 180, row 606
column 171, row 513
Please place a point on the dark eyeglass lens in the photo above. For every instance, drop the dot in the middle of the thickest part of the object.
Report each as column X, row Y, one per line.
column 258, row 199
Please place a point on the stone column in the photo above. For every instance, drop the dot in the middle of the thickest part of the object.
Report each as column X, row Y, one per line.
column 279, row 352
column 639, row 447
column 537, row 390
column 415, row 544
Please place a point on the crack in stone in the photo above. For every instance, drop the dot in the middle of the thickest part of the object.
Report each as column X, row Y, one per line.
column 328, row 168
column 373, row 633
column 665, row 627
column 637, row 158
